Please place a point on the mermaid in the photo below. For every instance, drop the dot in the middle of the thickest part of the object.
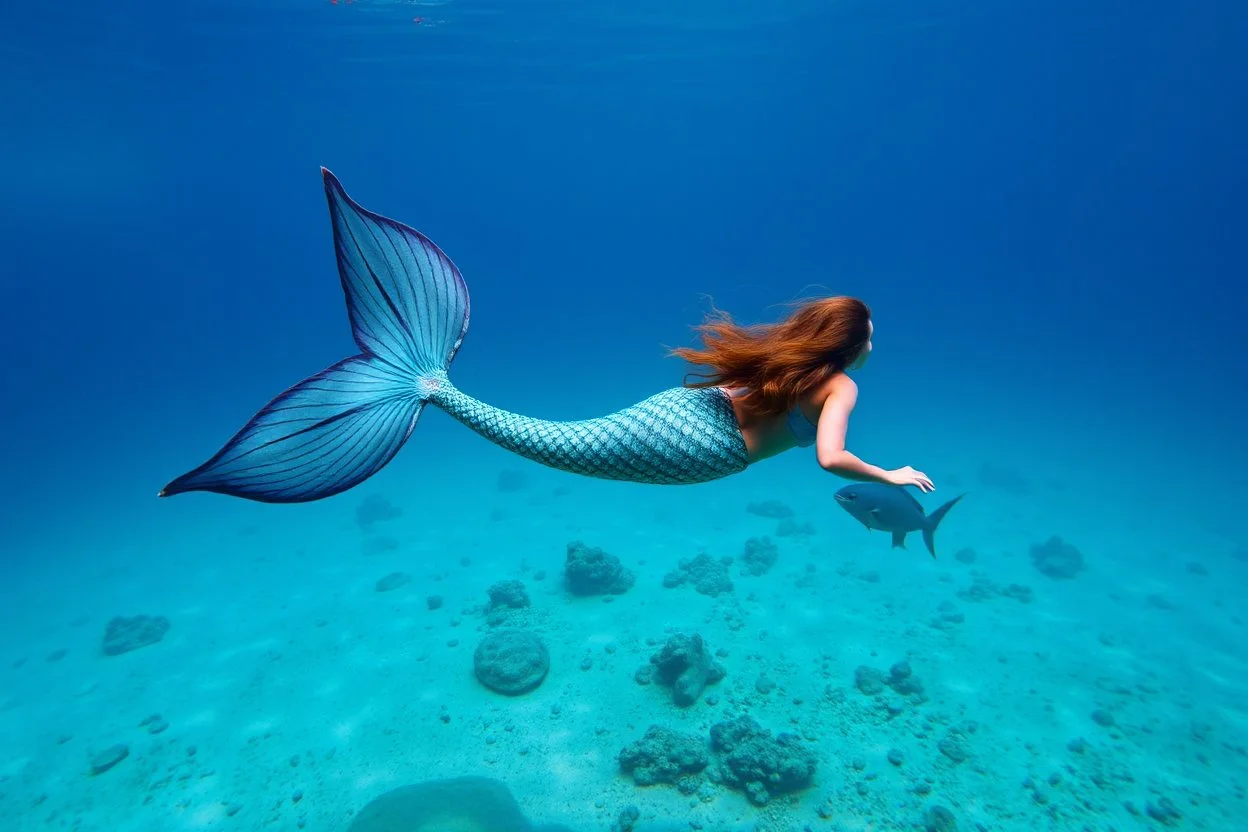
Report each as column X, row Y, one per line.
column 767, row 389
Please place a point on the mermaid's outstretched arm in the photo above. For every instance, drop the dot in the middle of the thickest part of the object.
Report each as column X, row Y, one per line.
column 409, row 309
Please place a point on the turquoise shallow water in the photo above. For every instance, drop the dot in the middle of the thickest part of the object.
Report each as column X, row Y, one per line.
column 285, row 671
column 1040, row 204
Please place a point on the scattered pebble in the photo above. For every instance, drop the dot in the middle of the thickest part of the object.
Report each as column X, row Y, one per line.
column 1103, row 718
column 109, row 757
column 393, row 581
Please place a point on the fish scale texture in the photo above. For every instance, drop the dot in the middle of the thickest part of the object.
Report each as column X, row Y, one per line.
column 678, row 436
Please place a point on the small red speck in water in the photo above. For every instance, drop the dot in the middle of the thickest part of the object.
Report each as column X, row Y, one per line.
column 418, row 20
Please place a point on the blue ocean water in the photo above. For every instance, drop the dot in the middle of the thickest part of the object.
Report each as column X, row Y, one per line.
column 1042, row 202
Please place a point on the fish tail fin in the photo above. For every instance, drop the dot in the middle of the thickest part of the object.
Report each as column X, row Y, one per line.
column 408, row 306
column 933, row 520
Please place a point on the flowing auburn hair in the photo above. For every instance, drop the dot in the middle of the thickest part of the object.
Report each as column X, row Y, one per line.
column 781, row 362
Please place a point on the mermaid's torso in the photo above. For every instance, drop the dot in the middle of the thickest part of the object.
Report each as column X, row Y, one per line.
column 804, row 431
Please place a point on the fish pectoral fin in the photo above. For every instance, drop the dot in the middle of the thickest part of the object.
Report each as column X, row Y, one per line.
column 899, row 540
column 872, row 520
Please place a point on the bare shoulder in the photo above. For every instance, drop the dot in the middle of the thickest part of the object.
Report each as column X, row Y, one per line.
column 840, row 386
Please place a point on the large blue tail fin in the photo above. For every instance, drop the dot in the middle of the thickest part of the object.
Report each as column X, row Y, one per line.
column 409, row 312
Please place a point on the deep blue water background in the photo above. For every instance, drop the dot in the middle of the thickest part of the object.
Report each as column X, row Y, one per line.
column 1044, row 204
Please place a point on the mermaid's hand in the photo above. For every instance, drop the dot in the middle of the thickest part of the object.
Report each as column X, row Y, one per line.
column 909, row 476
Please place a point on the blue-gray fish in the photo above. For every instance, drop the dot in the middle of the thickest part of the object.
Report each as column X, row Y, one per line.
column 892, row 509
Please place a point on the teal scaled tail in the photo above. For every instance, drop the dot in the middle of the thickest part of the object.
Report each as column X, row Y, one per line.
column 408, row 306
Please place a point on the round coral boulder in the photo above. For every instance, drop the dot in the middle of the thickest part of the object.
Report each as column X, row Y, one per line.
column 511, row 662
